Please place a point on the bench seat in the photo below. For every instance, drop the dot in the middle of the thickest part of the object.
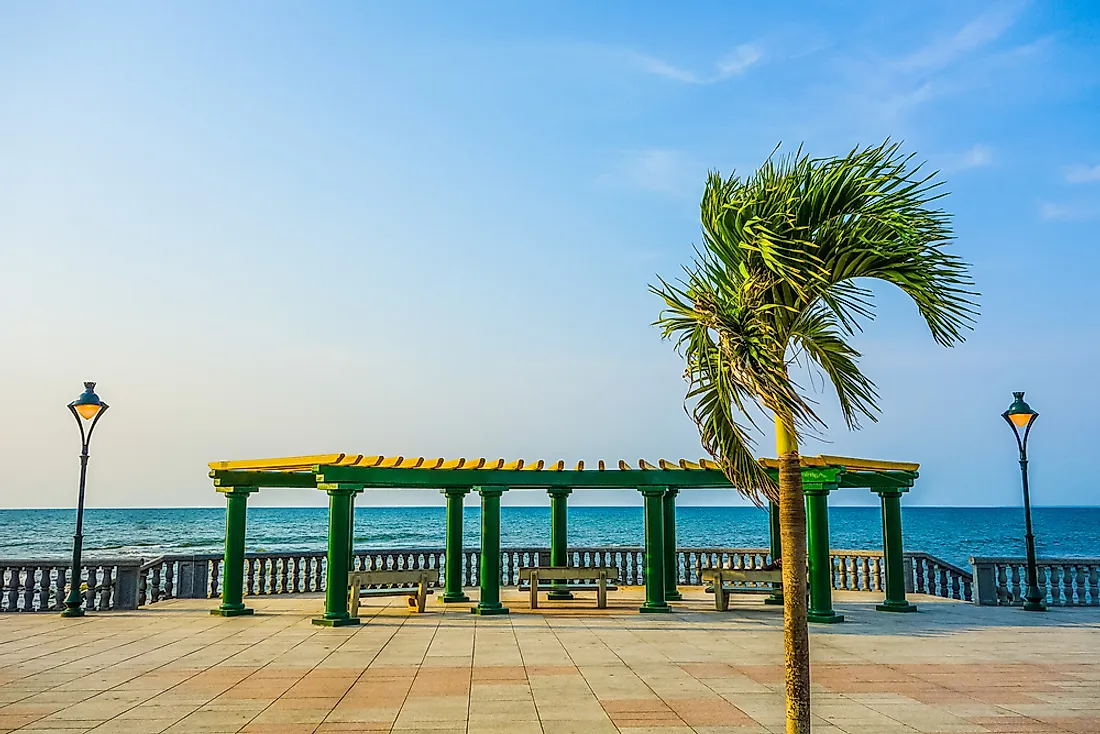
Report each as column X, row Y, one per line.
column 605, row 577
column 414, row 584
column 725, row 581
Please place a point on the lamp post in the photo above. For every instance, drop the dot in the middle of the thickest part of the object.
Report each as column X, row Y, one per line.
column 1020, row 415
column 87, row 407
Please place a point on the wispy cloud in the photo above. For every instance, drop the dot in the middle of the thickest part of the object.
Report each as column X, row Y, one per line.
column 981, row 31
column 732, row 64
column 1067, row 212
column 1082, row 174
column 978, row 156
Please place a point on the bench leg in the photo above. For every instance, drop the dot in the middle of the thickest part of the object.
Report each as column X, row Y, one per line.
column 601, row 594
column 421, row 596
column 534, row 591
column 721, row 597
column 353, row 603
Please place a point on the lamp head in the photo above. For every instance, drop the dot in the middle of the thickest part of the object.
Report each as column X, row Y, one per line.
column 88, row 404
column 1019, row 413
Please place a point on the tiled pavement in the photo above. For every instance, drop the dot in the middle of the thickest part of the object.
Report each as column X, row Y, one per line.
column 566, row 669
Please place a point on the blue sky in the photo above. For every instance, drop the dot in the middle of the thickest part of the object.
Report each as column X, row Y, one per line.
column 272, row 228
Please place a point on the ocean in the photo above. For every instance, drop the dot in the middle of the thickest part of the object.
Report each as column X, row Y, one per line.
column 953, row 534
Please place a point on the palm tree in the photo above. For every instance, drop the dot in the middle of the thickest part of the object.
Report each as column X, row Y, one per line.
column 775, row 285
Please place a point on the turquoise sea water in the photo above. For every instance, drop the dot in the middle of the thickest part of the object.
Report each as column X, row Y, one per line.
column 953, row 534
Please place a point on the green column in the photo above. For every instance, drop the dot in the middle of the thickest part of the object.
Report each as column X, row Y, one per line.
column 452, row 577
column 654, row 551
column 776, row 597
column 672, row 565
column 236, row 506
column 559, row 538
column 820, row 565
column 894, row 561
column 351, row 534
column 489, row 603
column 340, row 498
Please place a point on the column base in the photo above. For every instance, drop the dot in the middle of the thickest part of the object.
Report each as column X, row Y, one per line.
column 345, row 622
column 896, row 606
column 829, row 617
column 648, row 608
column 1030, row 606
column 232, row 611
column 673, row 596
column 559, row 595
column 776, row 599
column 453, row 598
column 72, row 612
column 489, row 611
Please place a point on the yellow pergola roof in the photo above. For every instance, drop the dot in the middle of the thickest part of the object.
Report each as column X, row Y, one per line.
column 306, row 463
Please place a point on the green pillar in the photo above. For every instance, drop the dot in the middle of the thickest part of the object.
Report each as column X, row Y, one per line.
column 236, row 506
column 340, row 499
column 672, row 565
column 489, row 603
column 559, row 538
column 452, row 577
column 776, row 597
column 351, row 534
column 654, row 551
column 894, row 561
column 820, row 564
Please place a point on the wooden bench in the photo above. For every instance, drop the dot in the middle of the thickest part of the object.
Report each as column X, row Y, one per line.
column 393, row 583
column 719, row 577
column 605, row 577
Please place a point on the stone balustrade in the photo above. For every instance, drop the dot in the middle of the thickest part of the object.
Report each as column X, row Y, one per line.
column 1063, row 582
column 41, row 586
column 129, row 583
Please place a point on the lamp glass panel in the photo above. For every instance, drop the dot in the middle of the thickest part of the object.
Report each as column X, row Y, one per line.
column 1020, row 419
column 87, row 412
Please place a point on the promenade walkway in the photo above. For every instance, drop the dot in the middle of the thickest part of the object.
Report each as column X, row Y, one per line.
column 565, row 669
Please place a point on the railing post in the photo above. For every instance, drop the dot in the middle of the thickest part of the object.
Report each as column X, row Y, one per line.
column 489, row 573
column 985, row 582
column 819, row 557
column 193, row 579
column 340, row 499
column 672, row 565
column 775, row 550
column 236, row 504
column 559, row 538
column 893, row 553
column 452, row 568
column 126, row 586
column 654, row 551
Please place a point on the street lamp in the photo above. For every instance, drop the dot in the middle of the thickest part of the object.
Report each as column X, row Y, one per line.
column 1020, row 415
column 88, row 407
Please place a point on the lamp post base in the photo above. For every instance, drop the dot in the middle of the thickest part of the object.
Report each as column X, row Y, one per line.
column 648, row 608
column 489, row 611
column 1034, row 606
column 72, row 612
column 231, row 612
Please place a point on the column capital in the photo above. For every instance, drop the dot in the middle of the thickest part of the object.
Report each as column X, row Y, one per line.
column 494, row 491
column 889, row 491
column 672, row 491
column 559, row 491
column 817, row 489
column 652, row 491
column 456, row 491
column 237, row 491
column 341, row 489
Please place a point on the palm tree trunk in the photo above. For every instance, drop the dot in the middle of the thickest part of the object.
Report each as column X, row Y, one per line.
column 792, row 538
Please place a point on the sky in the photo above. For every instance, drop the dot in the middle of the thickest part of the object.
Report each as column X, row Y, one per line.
column 271, row 229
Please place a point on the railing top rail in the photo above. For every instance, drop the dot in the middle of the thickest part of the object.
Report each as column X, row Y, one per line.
column 66, row 563
column 855, row 552
column 1070, row 560
column 940, row 562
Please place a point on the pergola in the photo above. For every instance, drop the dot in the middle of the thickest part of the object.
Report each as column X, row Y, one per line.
column 343, row 476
